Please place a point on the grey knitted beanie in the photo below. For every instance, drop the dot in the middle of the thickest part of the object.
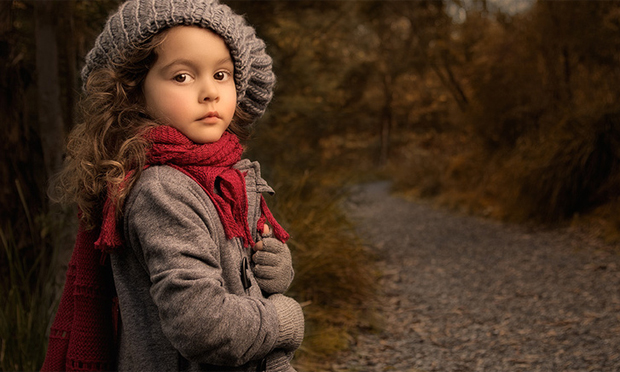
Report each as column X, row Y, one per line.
column 137, row 20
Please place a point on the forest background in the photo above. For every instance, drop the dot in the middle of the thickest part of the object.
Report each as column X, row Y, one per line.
column 506, row 109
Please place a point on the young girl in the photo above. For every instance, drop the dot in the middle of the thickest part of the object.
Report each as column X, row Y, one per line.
column 178, row 263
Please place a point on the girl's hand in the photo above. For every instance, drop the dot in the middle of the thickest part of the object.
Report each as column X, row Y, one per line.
column 265, row 234
column 273, row 267
column 291, row 319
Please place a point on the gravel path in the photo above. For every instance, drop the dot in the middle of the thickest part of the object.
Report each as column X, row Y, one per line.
column 461, row 293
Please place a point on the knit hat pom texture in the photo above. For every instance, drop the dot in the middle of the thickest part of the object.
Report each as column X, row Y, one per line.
column 137, row 20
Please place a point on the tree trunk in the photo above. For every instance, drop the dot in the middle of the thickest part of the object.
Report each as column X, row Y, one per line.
column 5, row 17
column 69, row 54
column 387, row 119
column 567, row 74
column 51, row 125
column 52, row 128
column 451, row 84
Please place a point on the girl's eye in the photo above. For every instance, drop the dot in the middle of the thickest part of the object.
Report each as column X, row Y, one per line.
column 181, row 78
column 221, row 75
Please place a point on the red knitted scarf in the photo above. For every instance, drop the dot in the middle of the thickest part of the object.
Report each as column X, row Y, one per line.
column 83, row 334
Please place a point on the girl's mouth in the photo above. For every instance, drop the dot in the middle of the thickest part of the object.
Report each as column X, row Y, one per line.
column 210, row 117
column 211, row 114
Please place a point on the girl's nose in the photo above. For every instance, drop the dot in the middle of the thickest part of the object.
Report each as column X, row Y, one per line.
column 209, row 92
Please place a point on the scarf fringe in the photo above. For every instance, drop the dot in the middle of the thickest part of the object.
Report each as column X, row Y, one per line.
column 266, row 216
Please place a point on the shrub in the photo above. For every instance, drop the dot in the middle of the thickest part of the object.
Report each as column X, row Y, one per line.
column 29, row 298
column 335, row 274
column 571, row 170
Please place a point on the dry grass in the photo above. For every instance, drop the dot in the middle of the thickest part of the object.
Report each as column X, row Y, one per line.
column 335, row 274
column 602, row 223
column 567, row 174
column 28, row 295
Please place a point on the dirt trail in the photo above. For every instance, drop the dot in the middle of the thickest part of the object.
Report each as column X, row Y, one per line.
column 467, row 294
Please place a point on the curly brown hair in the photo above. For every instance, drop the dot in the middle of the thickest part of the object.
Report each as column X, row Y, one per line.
column 109, row 142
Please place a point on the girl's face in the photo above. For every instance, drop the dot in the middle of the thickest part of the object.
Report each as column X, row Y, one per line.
column 191, row 86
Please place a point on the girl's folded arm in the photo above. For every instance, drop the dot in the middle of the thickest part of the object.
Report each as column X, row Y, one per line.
column 176, row 230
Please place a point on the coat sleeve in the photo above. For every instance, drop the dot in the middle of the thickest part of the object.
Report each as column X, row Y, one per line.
column 172, row 224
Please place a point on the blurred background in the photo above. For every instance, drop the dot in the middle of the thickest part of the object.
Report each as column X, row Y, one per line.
column 502, row 108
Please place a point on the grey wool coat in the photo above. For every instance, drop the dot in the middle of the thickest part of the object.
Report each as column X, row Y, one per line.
column 182, row 300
